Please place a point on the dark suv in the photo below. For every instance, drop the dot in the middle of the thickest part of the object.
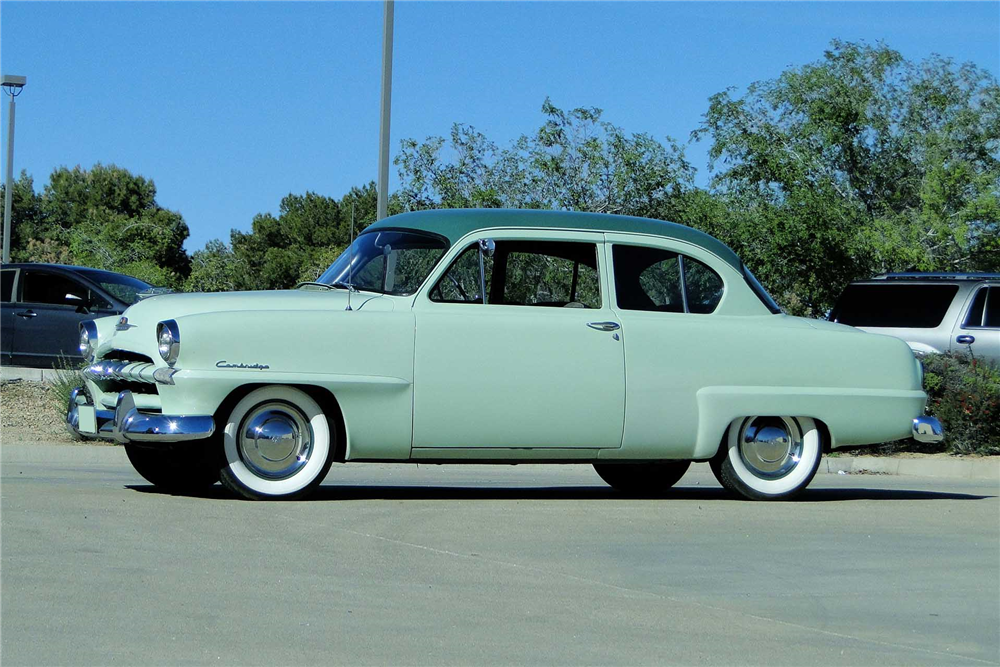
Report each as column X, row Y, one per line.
column 932, row 312
column 42, row 305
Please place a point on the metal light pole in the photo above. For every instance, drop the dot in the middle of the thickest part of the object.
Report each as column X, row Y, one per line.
column 383, row 133
column 12, row 85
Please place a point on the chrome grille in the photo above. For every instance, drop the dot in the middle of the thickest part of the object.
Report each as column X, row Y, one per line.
column 121, row 370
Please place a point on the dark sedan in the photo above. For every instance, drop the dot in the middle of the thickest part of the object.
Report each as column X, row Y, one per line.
column 43, row 305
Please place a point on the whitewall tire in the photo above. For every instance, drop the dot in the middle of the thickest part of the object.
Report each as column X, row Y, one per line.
column 277, row 444
column 769, row 458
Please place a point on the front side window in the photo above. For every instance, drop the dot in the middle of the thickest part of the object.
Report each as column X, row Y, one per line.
column 387, row 261
column 53, row 289
column 525, row 273
column 663, row 281
column 549, row 273
column 985, row 310
column 461, row 283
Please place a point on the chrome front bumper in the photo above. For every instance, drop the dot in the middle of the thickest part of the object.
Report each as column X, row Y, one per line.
column 927, row 429
column 127, row 424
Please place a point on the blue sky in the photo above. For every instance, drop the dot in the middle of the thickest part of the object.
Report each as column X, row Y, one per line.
column 230, row 106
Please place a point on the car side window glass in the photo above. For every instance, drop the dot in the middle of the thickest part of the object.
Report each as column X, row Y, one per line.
column 51, row 288
column 99, row 302
column 655, row 279
column 7, row 285
column 978, row 309
column 704, row 286
column 525, row 273
column 555, row 274
column 988, row 301
column 460, row 283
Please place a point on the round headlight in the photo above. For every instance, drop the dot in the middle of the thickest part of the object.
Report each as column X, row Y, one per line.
column 168, row 341
column 88, row 339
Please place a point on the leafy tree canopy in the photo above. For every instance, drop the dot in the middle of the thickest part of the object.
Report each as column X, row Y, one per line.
column 574, row 161
column 105, row 217
column 310, row 231
column 857, row 164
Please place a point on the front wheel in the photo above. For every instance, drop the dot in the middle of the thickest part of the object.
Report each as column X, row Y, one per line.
column 180, row 468
column 277, row 444
column 652, row 478
column 769, row 458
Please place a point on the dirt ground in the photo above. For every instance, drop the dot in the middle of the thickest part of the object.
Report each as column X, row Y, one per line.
column 31, row 412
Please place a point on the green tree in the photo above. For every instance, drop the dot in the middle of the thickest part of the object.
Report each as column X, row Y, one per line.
column 105, row 217
column 574, row 161
column 857, row 164
column 310, row 231
column 27, row 226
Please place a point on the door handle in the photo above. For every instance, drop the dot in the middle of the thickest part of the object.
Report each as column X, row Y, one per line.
column 27, row 313
column 604, row 326
column 965, row 339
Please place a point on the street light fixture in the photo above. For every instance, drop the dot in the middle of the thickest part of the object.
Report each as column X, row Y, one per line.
column 12, row 85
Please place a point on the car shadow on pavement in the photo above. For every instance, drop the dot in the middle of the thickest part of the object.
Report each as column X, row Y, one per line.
column 343, row 492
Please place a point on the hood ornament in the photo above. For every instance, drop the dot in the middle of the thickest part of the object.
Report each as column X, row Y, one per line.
column 123, row 324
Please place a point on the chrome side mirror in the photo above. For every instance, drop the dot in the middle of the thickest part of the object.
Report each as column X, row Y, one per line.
column 486, row 249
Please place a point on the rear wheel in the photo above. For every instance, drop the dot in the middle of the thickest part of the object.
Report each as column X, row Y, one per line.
column 769, row 458
column 651, row 478
column 177, row 468
column 277, row 444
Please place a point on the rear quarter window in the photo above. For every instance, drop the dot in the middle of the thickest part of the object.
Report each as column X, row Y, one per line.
column 893, row 305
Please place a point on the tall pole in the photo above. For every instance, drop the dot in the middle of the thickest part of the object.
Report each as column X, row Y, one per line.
column 9, row 190
column 383, row 133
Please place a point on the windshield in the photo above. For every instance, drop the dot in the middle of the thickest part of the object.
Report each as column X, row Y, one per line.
column 123, row 288
column 388, row 261
column 759, row 290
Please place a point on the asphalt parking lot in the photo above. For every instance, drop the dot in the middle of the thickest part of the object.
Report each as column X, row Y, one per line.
column 494, row 565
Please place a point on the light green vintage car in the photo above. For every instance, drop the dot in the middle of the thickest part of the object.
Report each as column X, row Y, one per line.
column 493, row 336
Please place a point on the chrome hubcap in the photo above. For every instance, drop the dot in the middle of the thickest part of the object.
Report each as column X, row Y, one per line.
column 276, row 440
column 770, row 447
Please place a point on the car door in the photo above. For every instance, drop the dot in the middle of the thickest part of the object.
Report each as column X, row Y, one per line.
column 978, row 331
column 8, row 283
column 539, row 365
column 665, row 294
column 46, row 320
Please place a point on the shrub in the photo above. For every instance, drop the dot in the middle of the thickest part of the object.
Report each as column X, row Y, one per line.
column 964, row 393
column 67, row 378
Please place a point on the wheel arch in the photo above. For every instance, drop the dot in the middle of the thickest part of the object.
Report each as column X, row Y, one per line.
column 323, row 396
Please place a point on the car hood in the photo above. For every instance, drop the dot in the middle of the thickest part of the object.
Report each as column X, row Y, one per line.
column 155, row 309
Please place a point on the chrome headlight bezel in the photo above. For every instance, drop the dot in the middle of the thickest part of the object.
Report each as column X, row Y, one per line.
column 88, row 339
column 168, row 341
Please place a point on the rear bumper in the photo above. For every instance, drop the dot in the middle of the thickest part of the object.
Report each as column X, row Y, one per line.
column 927, row 429
column 127, row 424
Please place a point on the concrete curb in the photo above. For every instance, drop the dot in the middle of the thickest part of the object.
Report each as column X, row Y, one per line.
column 977, row 469
column 8, row 373
column 983, row 469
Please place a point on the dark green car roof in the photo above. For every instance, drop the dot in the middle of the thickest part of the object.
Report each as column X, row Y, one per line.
column 453, row 224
